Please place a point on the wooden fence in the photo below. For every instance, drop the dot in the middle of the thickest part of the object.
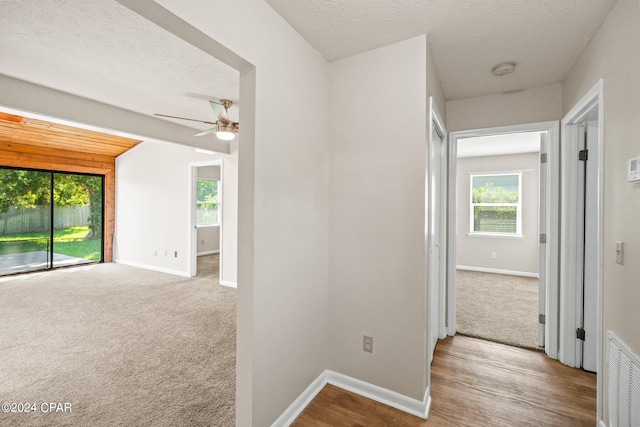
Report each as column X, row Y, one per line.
column 38, row 219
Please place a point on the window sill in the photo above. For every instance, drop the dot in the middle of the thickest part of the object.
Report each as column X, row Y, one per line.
column 208, row 226
column 497, row 236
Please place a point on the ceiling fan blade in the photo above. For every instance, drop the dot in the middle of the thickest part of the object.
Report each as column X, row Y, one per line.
column 184, row 118
column 220, row 111
column 206, row 132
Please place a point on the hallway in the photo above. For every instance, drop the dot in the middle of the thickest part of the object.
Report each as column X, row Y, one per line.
column 476, row 382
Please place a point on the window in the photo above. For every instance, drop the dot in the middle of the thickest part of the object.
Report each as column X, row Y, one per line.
column 207, row 202
column 496, row 205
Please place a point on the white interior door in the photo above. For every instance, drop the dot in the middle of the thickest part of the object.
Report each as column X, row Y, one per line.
column 589, row 306
column 435, row 244
column 542, row 250
column 582, row 249
column 587, row 273
column 436, row 229
column 581, row 190
column 443, row 225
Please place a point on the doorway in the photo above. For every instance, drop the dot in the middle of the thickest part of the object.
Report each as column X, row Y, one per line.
column 206, row 219
column 581, row 248
column 497, row 246
column 49, row 220
column 491, row 219
column 582, row 233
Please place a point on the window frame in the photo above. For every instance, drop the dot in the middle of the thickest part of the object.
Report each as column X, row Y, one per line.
column 472, row 205
column 217, row 203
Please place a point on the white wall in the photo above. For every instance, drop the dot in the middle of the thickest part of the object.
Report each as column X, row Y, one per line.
column 613, row 55
column 209, row 236
column 513, row 254
column 533, row 105
column 208, row 239
column 209, row 172
column 153, row 207
column 229, row 259
column 377, row 261
column 283, row 203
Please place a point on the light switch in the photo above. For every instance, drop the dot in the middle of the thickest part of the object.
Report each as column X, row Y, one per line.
column 620, row 252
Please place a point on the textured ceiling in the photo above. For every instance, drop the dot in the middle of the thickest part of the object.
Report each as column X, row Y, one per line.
column 467, row 37
column 100, row 50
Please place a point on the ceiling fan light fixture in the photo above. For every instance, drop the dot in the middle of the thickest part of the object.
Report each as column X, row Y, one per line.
column 504, row 69
column 224, row 128
column 226, row 132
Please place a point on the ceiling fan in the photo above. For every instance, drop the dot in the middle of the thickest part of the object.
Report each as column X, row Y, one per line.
column 224, row 128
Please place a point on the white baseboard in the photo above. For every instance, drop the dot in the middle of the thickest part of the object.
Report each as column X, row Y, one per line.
column 152, row 267
column 215, row 251
column 498, row 271
column 229, row 284
column 602, row 424
column 371, row 391
column 295, row 409
column 382, row 395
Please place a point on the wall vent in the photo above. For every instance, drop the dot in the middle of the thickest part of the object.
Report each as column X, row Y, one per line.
column 623, row 383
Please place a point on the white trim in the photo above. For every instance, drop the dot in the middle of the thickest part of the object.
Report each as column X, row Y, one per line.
column 228, row 284
column 452, row 221
column 214, row 251
column 501, row 172
column 362, row 388
column 486, row 235
column 153, row 268
column 497, row 271
column 601, row 424
column 192, row 232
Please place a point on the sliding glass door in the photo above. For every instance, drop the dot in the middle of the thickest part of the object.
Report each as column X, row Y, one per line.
column 77, row 219
column 49, row 220
column 25, row 220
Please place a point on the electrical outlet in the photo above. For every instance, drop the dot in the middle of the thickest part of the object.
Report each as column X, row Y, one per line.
column 494, row 255
column 367, row 344
column 620, row 252
column 155, row 253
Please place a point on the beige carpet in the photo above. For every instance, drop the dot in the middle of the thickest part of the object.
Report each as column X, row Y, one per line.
column 497, row 307
column 123, row 346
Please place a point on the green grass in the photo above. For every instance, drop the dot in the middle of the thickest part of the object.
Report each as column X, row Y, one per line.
column 70, row 241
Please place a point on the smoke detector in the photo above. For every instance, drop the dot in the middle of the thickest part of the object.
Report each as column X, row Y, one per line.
column 504, row 69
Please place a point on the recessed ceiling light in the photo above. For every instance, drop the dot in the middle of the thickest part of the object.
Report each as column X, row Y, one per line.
column 504, row 69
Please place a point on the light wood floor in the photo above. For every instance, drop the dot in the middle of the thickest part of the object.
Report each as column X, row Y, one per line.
column 475, row 383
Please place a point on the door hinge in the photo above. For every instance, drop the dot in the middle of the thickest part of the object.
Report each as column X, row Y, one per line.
column 543, row 157
column 583, row 155
column 543, row 238
column 580, row 334
column 542, row 319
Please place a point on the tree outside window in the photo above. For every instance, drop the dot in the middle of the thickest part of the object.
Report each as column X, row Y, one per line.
column 496, row 205
column 207, row 202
